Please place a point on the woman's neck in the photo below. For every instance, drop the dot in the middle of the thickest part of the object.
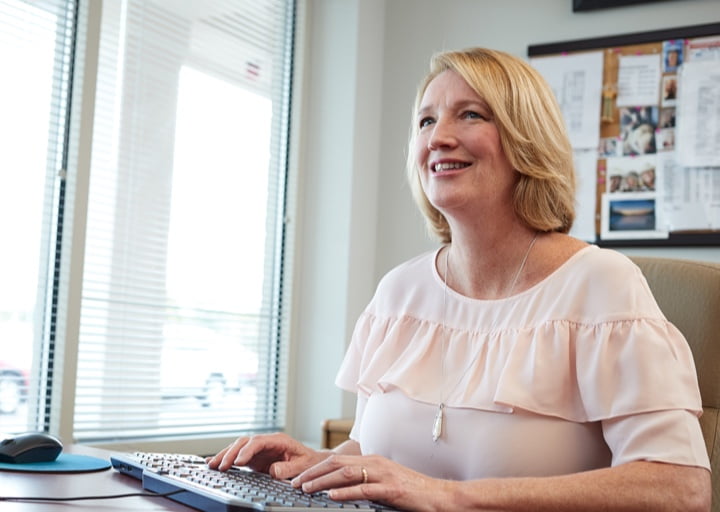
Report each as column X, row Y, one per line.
column 486, row 265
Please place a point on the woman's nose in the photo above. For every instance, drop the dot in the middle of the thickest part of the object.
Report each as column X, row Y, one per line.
column 442, row 135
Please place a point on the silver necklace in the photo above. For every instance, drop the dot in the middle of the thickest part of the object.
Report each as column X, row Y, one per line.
column 438, row 423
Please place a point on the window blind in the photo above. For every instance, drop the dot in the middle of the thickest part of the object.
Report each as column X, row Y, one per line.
column 36, row 54
column 182, row 320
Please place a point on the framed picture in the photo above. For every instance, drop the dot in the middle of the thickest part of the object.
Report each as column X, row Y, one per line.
column 591, row 5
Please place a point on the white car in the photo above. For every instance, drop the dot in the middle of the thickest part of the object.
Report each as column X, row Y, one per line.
column 199, row 362
column 16, row 339
column 14, row 384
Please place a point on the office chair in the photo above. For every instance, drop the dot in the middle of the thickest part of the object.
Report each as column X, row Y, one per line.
column 688, row 293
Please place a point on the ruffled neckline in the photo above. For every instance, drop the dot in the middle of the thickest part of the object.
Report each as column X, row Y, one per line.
column 560, row 348
column 558, row 271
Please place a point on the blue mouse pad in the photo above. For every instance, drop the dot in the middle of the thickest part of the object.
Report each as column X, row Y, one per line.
column 65, row 463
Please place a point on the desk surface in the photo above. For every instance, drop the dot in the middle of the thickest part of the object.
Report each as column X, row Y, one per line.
column 99, row 483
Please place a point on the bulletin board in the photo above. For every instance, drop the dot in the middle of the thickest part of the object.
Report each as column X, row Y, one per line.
column 656, row 174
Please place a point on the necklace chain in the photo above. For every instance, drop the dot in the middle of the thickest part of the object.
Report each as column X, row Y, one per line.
column 438, row 422
column 521, row 267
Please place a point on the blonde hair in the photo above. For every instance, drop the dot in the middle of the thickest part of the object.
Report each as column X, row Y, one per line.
column 532, row 134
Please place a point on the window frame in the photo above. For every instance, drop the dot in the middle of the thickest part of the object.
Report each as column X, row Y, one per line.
column 61, row 392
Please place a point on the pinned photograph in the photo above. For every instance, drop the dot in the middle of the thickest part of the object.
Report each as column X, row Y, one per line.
column 672, row 55
column 666, row 139
column 637, row 129
column 609, row 147
column 634, row 216
column 626, row 175
column 667, row 118
column 669, row 90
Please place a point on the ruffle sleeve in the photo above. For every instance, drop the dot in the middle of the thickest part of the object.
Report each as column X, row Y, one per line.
column 597, row 372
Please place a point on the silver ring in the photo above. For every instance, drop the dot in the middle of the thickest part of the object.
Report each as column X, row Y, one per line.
column 364, row 474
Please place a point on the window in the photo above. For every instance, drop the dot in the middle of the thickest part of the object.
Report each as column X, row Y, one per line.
column 181, row 320
column 35, row 56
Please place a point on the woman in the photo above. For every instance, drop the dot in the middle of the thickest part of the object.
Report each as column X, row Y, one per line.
column 515, row 368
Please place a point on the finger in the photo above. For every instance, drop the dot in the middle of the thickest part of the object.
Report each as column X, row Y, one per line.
column 215, row 460
column 261, row 451
column 373, row 492
column 210, row 460
column 344, row 476
column 228, row 458
column 284, row 470
column 321, row 468
column 245, row 451
column 332, row 480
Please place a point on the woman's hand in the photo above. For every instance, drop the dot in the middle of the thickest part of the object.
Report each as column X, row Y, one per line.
column 277, row 454
column 375, row 478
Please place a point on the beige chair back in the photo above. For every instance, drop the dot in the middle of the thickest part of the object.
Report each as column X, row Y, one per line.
column 688, row 293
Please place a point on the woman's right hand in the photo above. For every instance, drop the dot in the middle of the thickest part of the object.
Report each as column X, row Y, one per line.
column 276, row 454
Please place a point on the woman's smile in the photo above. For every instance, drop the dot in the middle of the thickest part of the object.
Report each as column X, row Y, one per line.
column 446, row 167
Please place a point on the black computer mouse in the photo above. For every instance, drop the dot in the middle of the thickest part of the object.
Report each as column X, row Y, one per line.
column 30, row 447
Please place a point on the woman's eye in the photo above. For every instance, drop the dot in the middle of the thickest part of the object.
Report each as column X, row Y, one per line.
column 425, row 121
column 470, row 114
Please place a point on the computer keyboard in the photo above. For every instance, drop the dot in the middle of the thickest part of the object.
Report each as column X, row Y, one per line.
column 238, row 489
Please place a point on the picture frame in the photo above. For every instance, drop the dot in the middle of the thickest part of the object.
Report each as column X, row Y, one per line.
column 592, row 5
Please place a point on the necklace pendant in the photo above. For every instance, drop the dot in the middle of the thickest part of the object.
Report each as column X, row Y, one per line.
column 438, row 424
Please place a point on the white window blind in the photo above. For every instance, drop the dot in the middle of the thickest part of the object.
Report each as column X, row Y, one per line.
column 36, row 47
column 181, row 322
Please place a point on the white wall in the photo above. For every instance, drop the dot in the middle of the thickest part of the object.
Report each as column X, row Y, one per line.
column 417, row 28
column 363, row 59
column 337, row 210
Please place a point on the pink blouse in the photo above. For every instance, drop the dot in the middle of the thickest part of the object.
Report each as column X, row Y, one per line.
column 580, row 371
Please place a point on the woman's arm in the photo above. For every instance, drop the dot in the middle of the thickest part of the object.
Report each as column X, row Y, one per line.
column 633, row 486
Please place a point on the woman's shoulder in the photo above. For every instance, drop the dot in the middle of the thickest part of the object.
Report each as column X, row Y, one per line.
column 409, row 288
column 563, row 253
column 413, row 270
column 602, row 282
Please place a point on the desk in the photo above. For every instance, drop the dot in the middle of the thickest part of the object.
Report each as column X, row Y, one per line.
column 98, row 483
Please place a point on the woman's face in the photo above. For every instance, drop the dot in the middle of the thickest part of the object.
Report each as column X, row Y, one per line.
column 458, row 152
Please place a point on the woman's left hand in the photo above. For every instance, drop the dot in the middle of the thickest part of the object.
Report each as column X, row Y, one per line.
column 375, row 478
